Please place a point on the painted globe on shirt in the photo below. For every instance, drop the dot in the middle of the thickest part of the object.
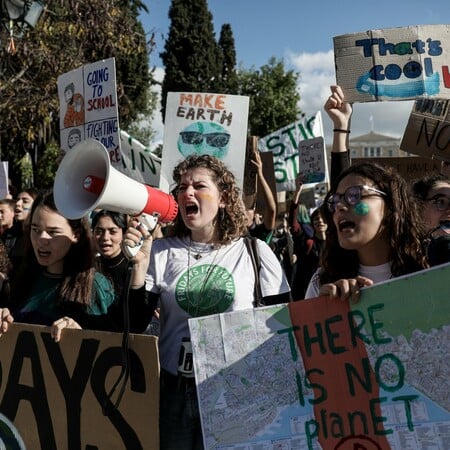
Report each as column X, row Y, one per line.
column 205, row 289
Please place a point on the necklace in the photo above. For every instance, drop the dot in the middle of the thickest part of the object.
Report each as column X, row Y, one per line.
column 118, row 263
column 199, row 249
column 112, row 266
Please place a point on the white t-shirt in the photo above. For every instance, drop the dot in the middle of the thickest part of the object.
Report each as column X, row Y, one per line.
column 220, row 280
column 375, row 273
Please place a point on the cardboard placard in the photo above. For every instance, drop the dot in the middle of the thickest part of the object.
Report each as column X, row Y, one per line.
column 52, row 394
column 4, row 181
column 89, row 107
column 269, row 175
column 313, row 160
column 253, row 194
column 204, row 123
column 409, row 167
column 394, row 63
column 428, row 130
column 250, row 172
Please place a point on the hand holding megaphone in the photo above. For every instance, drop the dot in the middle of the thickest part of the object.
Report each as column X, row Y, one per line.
column 137, row 235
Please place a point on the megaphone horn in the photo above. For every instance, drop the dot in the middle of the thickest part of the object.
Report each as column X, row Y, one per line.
column 85, row 180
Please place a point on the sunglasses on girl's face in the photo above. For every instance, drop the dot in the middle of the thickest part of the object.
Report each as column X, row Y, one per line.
column 212, row 139
column 352, row 196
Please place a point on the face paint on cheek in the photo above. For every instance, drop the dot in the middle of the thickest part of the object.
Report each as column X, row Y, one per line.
column 206, row 196
column 361, row 209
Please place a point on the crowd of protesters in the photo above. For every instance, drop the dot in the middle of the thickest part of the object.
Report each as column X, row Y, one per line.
column 371, row 226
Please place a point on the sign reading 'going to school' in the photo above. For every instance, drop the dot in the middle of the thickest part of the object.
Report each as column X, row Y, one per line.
column 394, row 63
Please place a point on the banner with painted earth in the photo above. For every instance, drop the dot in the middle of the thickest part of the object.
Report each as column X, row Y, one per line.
column 204, row 124
column 321, row 374
column 394, row 63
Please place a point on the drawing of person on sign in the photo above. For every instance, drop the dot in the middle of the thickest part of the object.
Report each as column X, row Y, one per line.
column 74, row 115
column 204, row 138
column 74, row 137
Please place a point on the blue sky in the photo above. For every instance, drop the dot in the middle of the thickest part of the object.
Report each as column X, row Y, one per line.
column 302, row 34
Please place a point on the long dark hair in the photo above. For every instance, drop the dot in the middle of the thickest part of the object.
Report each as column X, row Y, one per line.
column 78, row 270
column 233, row 223
column 401, row 223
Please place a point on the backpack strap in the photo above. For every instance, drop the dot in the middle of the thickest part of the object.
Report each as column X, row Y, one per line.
column 252, row 247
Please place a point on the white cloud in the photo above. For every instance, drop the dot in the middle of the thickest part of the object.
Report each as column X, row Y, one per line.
column 317, row 74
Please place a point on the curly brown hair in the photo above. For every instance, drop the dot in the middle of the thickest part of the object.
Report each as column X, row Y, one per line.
column 404, row 229
column 230, row 221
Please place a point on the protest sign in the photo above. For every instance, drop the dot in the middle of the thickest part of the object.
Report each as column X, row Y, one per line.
column 394, row 63
column 253, row 193
column 428, row 130
column 250, row 171
column 203, row 123
column 409, row 167
column 4, row 189
column 52, row 394
column 138, row 162
column 313, row 160
column 269, row 175
column 284, row 144
column 321, row 374
column 88, row 107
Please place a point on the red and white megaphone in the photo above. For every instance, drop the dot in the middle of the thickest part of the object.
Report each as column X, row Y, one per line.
column 85, row 180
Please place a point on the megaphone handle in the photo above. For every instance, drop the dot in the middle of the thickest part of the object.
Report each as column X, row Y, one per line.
column 147, row 221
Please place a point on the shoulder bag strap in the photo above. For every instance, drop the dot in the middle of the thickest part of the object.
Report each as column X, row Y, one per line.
column 252, row 247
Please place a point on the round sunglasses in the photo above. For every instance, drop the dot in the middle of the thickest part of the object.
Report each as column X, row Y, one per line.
column 212, row 139
column 352, row 196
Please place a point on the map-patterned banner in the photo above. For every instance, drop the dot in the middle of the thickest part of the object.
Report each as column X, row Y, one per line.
column 321, row 374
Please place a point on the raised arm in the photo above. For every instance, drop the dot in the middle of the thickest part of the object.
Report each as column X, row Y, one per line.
column 270, row 210
column 340, row 112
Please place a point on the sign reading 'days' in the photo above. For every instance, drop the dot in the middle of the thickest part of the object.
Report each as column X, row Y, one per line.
column 52, row 394
column 394, row 63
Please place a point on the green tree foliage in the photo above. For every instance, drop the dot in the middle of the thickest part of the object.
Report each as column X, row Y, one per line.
column 273, row 97
column 229, row 80
column 191, row 56
column 68, row 35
